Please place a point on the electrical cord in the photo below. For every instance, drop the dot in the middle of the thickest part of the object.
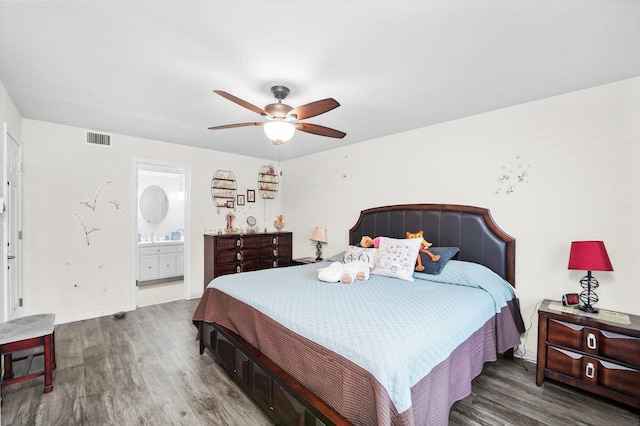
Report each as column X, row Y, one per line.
column 523, row 351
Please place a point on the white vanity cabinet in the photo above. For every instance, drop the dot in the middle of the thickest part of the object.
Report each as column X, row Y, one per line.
column 160, row 260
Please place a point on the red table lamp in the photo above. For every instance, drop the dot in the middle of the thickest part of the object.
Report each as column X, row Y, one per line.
column 589, row 256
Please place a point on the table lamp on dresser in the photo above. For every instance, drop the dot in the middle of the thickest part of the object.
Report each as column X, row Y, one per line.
column 320, row 237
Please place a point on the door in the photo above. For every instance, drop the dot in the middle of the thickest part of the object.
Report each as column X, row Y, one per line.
column 13, row 224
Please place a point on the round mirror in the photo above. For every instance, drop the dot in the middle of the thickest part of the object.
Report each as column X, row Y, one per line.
column 251, row 221
column 154, row 204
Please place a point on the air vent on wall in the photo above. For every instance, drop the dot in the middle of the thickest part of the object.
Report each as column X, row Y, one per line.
column 94, row 138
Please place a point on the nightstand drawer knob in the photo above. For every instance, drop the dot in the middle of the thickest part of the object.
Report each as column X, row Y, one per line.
column 590, row 370
column 239, row 256
column 591, row 341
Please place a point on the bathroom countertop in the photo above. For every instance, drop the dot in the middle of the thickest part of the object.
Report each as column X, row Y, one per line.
column 147, row 243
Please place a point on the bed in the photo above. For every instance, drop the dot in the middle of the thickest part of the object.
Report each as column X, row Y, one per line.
column 308, row 367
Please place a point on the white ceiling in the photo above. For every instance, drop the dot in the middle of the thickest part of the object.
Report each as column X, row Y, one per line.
column 149, row 69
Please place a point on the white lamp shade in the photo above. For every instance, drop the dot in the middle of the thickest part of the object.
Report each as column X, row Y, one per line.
column 319, row 235
column 279, row 131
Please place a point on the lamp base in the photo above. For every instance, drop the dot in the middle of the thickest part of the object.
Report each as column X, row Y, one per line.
column 588, row 308
column 589, row 297
column 318, row 252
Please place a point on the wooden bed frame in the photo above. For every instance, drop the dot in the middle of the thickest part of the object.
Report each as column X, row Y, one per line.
column 287, row 401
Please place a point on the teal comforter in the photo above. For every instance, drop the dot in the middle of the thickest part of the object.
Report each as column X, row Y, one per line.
column 422, row 321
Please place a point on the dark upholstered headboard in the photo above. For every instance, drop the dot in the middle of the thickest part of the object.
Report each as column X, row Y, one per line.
column 470, row 228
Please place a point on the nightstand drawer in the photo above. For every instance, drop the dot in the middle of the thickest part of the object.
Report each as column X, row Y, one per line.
column 595, row 371
column 619, row 378
column 618, row 347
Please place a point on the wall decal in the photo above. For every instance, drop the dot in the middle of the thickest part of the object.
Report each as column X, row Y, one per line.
column 118, row 206
column 512, row 175
column 92, row 205
column 86, row 230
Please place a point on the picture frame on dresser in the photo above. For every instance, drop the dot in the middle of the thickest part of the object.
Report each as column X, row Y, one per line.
column 240, row 200
column 251, row 196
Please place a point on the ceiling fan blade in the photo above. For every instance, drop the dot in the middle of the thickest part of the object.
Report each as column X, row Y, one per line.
column 230, row 126
column 240, row 102
column 314, row 108
column 320, row 130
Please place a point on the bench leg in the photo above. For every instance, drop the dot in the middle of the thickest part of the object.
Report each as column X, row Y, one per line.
column 53, row 350
column 8, row 368
column 48, row 352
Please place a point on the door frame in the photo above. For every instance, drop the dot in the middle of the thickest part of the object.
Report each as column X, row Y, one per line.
column 7, row 133
column 169, row 167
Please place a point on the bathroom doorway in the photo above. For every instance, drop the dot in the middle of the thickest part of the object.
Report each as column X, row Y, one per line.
column 161, row 237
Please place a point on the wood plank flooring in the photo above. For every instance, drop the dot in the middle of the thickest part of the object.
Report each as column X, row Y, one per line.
column 145, row 369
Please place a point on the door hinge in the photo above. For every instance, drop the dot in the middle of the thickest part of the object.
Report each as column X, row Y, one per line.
column 20, row 167
column 20, row 302
column 20, row 234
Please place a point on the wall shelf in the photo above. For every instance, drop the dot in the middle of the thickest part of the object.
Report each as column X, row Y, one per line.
column 223, row 187
column 268, row 182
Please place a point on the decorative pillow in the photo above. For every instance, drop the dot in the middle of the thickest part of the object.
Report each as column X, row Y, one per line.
column 434, row 268
column 397, row 258
column 367, row 255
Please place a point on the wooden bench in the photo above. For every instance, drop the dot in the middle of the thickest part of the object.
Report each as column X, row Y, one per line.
column 27, row 335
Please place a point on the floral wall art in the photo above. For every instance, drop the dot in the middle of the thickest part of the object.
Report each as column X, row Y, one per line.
column 88, row 226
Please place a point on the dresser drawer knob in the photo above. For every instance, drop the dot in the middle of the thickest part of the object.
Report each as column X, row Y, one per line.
column 591, row 341
column 590, row 370
column 275, row 241
column 238, row 268
column 275, row 252
column 239, row 256
column 275, row 263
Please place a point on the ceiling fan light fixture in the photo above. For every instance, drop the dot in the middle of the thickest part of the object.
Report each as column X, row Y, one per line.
column 279, row 131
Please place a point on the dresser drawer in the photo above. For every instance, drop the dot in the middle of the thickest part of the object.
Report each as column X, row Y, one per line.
column 231, row 256
column 235, row 242
column 235, row 268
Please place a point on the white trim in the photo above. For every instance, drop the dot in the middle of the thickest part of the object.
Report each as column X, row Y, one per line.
column 167, row 167
column 7, row 133
column 94, row 314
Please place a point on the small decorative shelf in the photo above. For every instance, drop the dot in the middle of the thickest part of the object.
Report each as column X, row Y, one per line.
column 223, row 187
column 268, row 182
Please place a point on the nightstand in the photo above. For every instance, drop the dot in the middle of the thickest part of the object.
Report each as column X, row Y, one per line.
column 304, row 261
column 599, row 353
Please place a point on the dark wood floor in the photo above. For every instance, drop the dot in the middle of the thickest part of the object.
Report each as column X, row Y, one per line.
column 145, row 370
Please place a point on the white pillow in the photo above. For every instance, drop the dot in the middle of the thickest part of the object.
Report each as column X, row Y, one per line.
column 397, row 258
column 367, row 255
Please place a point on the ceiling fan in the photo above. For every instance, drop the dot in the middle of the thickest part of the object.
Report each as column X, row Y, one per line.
column 282, row 120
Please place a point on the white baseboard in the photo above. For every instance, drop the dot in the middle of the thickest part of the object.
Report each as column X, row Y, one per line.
column 91, row 315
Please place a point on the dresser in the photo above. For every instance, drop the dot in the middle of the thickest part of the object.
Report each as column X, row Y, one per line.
column 235, row 253
column 599, row 353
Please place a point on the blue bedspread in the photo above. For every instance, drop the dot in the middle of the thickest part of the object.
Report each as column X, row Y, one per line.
column 422, row 321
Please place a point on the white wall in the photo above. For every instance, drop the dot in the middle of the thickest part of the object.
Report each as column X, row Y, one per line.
column 581, row 151
column 64, row 275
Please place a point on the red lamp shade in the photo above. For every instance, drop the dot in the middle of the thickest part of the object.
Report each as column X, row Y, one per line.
column 589, row 256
